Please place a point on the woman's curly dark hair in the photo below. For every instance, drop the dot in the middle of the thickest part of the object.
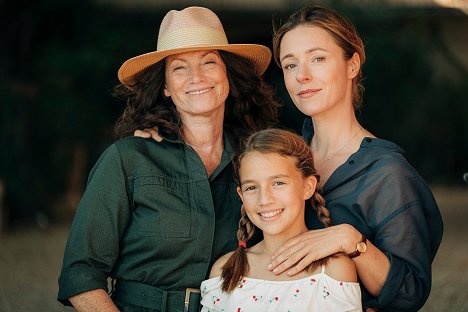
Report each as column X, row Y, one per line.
column 250, row 106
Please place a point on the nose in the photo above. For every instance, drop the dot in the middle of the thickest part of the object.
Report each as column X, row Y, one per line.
column 266, row 196
column 303, row 74
column 197, row 74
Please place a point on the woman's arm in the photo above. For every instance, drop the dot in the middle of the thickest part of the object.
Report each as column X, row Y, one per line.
column 96, row 300
column 100, row 220
column 372, row 266
column 396, row 268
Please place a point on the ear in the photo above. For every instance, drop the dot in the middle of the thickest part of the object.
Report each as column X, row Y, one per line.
column 354, row 65
column 310, row 184
column 166, row 92
column 239, row 191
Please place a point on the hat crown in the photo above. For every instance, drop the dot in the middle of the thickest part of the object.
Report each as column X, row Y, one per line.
column 190, row 27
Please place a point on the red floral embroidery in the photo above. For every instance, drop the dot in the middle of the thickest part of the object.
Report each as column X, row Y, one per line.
column 215, row 299
column 325, row 292
column 241, row 284
column 295, row 293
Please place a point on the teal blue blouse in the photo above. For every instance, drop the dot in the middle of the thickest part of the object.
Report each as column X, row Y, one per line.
column 379, row 193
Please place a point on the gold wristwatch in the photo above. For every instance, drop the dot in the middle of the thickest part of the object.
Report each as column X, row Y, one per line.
column 361, row 248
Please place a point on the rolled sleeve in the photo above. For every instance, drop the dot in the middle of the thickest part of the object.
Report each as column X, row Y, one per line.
column 76, row 280
column 101, row 217
column 405, row 237
column 403, row 290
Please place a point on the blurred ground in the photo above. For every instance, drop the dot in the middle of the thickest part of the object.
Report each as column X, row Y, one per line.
column 30, row 261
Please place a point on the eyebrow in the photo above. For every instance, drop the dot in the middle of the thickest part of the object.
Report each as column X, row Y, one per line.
column 308, row 51
column 270, row 177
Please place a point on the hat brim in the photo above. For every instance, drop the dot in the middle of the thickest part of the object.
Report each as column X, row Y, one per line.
column 259, row 55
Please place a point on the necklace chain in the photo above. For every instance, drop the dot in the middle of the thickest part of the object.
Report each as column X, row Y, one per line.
column 330, row 156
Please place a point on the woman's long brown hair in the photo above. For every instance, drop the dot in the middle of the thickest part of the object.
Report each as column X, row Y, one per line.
column 284, row 143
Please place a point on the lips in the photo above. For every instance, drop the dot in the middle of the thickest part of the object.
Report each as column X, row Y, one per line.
column 196, row 92
column 270, row 214
column 308, row 92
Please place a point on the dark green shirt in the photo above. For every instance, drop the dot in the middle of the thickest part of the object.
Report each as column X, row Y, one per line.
column 151, row 214
column 379, row 193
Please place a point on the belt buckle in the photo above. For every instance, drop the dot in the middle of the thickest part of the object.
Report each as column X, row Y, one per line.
column 188, row 291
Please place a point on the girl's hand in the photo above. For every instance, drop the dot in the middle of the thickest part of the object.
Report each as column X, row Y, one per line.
column 299, row 252
column 149, row 133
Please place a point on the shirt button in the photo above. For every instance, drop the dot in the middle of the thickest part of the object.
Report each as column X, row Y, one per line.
column 351, row 162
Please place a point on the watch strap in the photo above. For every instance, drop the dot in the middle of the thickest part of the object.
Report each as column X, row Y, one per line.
column 357, row 252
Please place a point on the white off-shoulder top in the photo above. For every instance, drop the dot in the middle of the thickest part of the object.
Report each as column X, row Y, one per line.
column 318, row 292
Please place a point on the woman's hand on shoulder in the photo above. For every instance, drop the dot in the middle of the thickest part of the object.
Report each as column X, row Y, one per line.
column 216, row 268
column 148, row 133
column 299, row 252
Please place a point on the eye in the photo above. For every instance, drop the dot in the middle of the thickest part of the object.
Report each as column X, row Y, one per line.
column 318, row 59
column 279, row 183
column 289, row 66
column 249, row 188
column 176, row 67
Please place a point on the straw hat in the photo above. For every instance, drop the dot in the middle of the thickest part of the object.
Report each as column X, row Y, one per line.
column 192, row 29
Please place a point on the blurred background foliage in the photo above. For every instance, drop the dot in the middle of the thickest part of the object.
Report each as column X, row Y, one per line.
column 58, row 65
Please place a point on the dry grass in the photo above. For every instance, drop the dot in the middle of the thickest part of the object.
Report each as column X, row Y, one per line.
column 30, row 261
column 450, row 281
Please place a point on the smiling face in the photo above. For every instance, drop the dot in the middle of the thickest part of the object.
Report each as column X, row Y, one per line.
column 316, row 74
column 273, row 192
column 197, row 83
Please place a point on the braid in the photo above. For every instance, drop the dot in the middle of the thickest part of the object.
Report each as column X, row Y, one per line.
column 237, row 266
column 318, row 203
column 246, row 227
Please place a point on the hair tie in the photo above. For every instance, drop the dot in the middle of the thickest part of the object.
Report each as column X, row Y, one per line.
column 243, row 244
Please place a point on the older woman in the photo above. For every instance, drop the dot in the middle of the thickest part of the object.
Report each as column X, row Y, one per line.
column 387, row 219
column 155, row 216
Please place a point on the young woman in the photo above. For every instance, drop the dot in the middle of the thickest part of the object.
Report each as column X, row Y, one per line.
column 277, row 175
column 385, row 216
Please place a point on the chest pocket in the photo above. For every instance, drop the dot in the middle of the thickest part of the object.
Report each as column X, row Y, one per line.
column 162, row 207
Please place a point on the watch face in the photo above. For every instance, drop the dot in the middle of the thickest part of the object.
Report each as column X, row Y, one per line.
column 362, row 247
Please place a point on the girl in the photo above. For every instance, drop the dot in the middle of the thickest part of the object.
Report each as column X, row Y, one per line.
column 277, row 176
